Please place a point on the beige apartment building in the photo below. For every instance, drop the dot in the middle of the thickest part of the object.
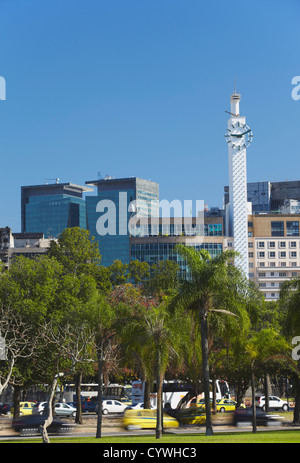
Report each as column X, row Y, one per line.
column 274, row 251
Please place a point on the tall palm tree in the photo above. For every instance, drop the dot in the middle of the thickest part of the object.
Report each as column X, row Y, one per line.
column 212, row 285
column 155, row 327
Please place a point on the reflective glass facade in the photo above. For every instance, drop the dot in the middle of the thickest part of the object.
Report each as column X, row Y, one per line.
column 49, row 209
column 53, row 214
column 155, row 252
column 109, row 212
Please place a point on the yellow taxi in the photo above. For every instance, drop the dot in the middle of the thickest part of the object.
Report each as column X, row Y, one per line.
column 26, row 408
column 192, row 415
column 226, row 405
column 146, row 419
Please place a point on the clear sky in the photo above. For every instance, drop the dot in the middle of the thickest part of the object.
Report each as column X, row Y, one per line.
column 140, row 88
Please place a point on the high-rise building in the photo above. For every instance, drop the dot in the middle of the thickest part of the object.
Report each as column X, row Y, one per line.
column 270, row 196
column 51, row 208
column 109, row 213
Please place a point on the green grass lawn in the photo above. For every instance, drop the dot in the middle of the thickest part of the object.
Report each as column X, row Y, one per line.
column 289, row 436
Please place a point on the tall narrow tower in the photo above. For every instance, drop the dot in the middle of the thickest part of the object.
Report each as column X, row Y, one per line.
column 238, row 137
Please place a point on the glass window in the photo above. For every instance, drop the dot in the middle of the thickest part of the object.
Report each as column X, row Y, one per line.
column 277, row 228
column 292, row 228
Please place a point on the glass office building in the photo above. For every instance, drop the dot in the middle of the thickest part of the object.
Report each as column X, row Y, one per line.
column 51, row 208
column 108, row 213
column 153, row 252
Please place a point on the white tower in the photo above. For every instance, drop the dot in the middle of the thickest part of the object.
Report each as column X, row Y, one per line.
column 238, row 136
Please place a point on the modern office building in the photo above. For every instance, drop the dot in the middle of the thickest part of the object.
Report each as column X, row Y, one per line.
column 21, row 244
column 271, row 196
column 108, row 214
column 157, row 239
column 274, row 251
column 51, row 208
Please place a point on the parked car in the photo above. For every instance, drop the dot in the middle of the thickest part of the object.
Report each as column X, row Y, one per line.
column 38, row 408
column 30, row 425
column 89, row 406
column 146, row 419
column 61, row 409
column 112, row 406
column 26, row 408
column 274, row 403
column 226, row 405
column 6, row 409
column 245, row 417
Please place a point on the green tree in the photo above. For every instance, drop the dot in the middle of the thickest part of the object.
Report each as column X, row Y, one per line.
column 213, row 285
column 118, row 273
column 156, row 327
column 76, row 251
column 163, row 278
column 261, row 347
column 138, row 271
column 289, row 305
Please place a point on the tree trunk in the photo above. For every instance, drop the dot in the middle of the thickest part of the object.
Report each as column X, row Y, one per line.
column 159, row 418
column 147, row 401
column 17, row 397
column 214, row 399
column 296, row 419
column 267, row 391
column 78, row 380
column 100, row 392
column 48, row 421
column 205, row 366
column 254, row 429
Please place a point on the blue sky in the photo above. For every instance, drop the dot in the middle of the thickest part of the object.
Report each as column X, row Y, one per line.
column 140, row 88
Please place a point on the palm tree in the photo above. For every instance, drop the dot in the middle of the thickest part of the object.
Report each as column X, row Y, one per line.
column 155, row 327
column 212, row 285
column 289, row 304
column 264, row 345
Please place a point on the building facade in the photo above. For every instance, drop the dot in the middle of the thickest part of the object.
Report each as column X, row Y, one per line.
column 273, row 251
column 108, row 214
column 21, row 244
column 51, row 208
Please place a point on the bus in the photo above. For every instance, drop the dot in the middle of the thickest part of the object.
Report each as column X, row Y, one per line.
column 174, row 392
column 90, row 390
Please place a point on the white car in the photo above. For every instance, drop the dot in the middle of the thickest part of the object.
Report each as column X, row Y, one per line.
column 40, row 407
column 274, row 402
column 61, row 409
column 139, row 406
column 113, row 406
